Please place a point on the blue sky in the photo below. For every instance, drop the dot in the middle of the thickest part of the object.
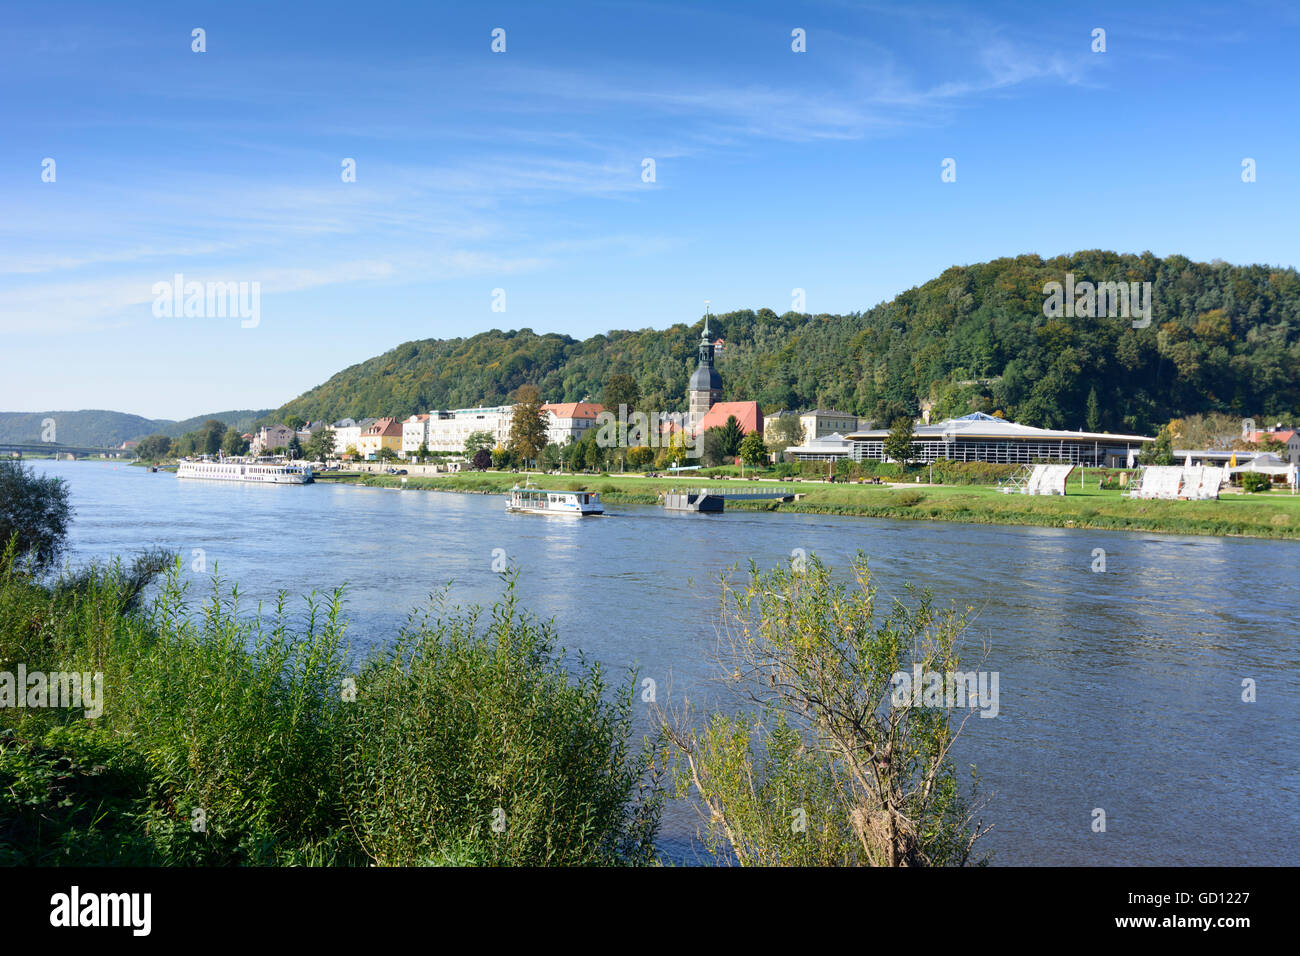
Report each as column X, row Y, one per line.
column 522, row 170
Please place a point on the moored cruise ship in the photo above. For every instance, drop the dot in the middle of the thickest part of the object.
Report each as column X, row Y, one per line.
column 529, row 499
column 246, row 469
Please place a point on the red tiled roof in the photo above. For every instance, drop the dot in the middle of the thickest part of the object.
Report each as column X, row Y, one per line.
column 573, row 409
column 385, row 428
column 1282, row 436
column 748, row 414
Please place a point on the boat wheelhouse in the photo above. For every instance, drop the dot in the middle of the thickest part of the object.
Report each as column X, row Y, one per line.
column 528, row 499
column 246, row 469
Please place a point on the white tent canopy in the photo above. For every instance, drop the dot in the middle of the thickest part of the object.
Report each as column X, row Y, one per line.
column 1267, row 464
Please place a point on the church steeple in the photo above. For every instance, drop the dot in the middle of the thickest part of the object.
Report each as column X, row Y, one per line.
column 706, row 344
column 705, row 389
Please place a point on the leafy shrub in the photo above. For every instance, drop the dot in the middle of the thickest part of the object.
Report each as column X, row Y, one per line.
column 244, row 723
column 870, row 776
column 34, row 513
column 467, row 740
column 1253, row 482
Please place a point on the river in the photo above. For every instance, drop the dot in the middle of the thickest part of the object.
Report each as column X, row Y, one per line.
column 1119, row 690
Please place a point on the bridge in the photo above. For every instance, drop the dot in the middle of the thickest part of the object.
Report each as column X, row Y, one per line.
column 10, row 449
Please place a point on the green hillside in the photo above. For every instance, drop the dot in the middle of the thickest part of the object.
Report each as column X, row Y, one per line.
column 104, row 429
column 1222, row 338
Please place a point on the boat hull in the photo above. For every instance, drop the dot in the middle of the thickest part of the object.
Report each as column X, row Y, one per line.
column 555, row 512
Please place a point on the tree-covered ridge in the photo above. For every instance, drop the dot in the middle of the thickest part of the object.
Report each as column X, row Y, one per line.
column 1222, row 338
column 98, row 428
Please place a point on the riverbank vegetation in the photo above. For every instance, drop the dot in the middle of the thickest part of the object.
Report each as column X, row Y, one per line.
column 832, row 768
column 230, row 738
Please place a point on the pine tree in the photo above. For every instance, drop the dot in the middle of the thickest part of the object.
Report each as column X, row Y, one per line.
column 732, row 436
column 1093, row 411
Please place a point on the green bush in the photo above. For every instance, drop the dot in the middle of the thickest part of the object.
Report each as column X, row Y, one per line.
column 247, row 725
column 1253, row 482
column 467, row 740
column 34, row 514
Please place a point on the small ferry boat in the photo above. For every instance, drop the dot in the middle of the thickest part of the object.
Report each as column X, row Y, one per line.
column 246, row 469
column 529, row 499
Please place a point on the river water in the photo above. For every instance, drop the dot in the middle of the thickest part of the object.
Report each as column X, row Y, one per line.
column 1119, row 690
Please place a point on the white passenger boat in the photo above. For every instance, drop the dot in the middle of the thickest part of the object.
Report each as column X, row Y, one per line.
column 246, row 469
column 529, row 499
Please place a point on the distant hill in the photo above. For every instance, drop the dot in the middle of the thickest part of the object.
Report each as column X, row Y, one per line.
column 104, row 429
column 1221, row 338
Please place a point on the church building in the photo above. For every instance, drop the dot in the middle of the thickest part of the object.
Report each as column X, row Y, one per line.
column 705, row 391
column 706, row 384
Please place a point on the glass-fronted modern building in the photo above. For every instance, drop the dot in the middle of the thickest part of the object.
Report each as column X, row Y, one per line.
column 980, row 437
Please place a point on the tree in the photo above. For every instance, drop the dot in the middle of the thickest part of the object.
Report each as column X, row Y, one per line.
column 1213, row 430
column 209, row 437
column 732, row 436
column 320, row 447
column 844, row 762
column 154, row 448
column 640, row 456
column 551, row 457
column 34, row 513
column 500, row 458
column 477, row 440
column 386, row 454
column 713, row 447
column 1093, row 413
column 481, row 460
column 1160, row 451
column 528, row 424
column 351, row 452
column 422, row 452
column 233, row 443
column 620, row 390
column 752, row 449
column 783, row 432
column 675, row 451
column 294, row 448
column 295, row 422
column 898, row 445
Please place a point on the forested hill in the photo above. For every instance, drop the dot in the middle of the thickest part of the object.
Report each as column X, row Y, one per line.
column 1222, row 338
column 98, row 428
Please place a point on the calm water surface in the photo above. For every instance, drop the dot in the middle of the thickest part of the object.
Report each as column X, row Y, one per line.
column 1119, row 690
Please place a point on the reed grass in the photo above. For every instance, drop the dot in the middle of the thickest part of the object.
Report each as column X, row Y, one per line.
column 250, row 736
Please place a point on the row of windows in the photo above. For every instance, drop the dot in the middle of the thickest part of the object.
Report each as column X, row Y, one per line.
column 998, row 452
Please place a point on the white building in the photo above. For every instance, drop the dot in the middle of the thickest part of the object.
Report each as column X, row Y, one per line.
column 415, row 432
column 448, row 430
column 347, row 433
column 569, row 421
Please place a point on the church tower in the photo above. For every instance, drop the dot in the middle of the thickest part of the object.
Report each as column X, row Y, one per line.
column 705, row 389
